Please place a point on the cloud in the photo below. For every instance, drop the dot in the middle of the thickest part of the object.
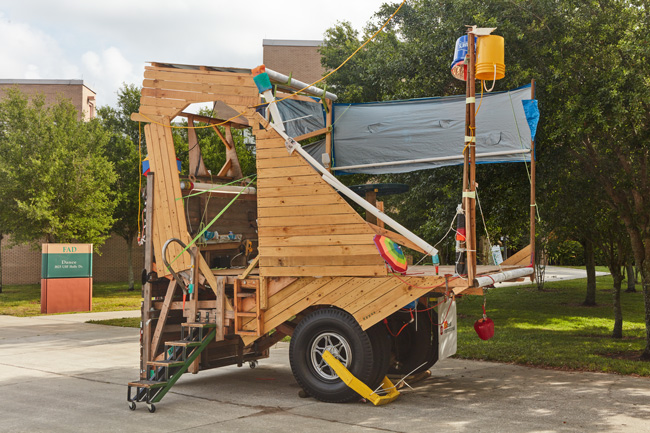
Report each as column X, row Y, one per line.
column 30, row 53
column 106, row 71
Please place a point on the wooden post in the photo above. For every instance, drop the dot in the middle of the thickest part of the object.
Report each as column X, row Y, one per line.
column 533, row 203
column 371, row 197
column 470, row 190
column 145, row 354
column 328, row 134
column 197, row 167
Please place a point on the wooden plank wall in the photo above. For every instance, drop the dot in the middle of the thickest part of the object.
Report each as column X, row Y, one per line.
column 305, row 227
column 369, row 300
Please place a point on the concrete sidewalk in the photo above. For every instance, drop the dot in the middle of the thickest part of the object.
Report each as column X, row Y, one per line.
column 60, row 375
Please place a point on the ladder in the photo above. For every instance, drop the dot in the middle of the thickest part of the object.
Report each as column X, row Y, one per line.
column 179, row 356
column 247, row 288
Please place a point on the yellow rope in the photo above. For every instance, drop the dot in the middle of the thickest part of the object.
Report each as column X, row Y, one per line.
column 297, row 91
column 139, row 176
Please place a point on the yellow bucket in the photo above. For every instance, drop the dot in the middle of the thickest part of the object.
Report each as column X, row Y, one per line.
column 489, row 53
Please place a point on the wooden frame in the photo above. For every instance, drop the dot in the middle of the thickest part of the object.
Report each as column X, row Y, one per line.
column 313, row 248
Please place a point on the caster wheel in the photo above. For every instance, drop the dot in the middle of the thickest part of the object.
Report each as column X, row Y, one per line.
column 252, row 364
column 132, row 405
column 151, row 408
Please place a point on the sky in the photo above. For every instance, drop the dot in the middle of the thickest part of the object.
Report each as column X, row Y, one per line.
column 108, row 42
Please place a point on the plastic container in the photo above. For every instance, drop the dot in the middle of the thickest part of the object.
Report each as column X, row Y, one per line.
column 490, row 63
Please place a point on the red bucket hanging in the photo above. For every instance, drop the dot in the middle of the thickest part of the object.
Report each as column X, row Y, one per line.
column 484, row 327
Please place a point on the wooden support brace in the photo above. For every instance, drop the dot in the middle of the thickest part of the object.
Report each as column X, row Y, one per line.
column 162, row 319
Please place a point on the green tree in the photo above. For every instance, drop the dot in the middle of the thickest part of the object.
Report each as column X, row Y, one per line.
column 122, row 151
column 589, row 59
column 56, row 182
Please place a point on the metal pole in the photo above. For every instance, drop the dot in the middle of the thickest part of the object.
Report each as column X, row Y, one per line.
column 145, row 325
column 533, row 204
column 470, row 194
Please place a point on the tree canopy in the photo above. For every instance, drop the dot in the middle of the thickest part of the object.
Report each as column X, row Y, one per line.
column 56, row 181
column 589, row 60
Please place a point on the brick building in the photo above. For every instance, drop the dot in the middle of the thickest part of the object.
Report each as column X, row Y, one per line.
column 81, row 96
column 22, row 264
column 297, row 57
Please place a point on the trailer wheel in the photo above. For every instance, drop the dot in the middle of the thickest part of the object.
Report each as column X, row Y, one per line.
column 337, row 331
column 414, row 349
column 381, row 353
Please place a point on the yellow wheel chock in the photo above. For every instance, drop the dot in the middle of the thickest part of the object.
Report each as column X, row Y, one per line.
column 359, row 387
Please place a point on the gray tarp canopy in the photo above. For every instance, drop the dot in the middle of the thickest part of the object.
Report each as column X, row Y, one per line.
column 420, row 129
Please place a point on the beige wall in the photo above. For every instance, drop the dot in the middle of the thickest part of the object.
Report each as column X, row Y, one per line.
column 22, row 264
column 301, row 59
column 81, row 96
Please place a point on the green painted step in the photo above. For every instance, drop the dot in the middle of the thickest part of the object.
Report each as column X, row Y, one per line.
column 147, row 384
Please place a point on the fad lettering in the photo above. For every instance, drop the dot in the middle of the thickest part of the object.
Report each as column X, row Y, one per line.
column 69, row 249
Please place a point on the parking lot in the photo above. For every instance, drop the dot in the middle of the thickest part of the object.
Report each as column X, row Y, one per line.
column 59, row 374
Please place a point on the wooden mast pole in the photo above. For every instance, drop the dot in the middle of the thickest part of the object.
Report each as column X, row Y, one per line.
column 145, row 350
column 328, row 134
column 533, row 203
column 469, row 195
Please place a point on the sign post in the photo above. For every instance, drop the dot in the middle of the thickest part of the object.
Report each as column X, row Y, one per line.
column 66, row 278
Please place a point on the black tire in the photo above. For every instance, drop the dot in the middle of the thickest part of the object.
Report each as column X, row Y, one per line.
column 132, row 405
column 338, row 330
column 152, row 408
column 381, row 353
column 415, row 348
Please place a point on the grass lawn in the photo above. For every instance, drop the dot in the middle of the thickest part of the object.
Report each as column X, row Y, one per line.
column 25, row 299
column 551, row 328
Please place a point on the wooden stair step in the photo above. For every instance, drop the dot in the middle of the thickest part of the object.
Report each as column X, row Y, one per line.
column 183, row 343
column 246, row 295
column 147, row 384
column 166, row 363
column 247, row 333
column 199, row 325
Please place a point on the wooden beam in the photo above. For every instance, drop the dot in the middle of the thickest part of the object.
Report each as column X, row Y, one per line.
column 396, row 237
column 162, row 319
column 328, row 137
column 311, row 134
column 197, row 166
column 231, row 154
column 146, row 354
column 241, row 120
column 226, row 167
column 250, row 267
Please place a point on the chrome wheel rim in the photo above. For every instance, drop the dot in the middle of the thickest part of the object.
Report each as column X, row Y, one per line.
column 337, row 345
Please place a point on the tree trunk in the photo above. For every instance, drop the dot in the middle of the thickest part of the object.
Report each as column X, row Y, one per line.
column 631, row 277
column 645, row 283
column 590, row 264
column 129, row 257
column 618, row 312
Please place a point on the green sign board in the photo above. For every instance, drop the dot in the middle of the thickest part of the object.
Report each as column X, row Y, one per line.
column 67, row 261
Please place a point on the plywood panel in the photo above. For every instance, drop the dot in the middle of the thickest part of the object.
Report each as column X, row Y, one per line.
column 307, row 220
column 201, row 87
column 286, row 172
column 320, row 240
column 281, row 161
column 199, row 97
column 359, row 259
column 293, row 190
column 224, row 79
column 314, row 210
column 306, row 271
column 328, row 250
column 314, row 230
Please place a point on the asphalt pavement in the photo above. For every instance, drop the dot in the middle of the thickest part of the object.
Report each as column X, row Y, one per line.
column 59, row 374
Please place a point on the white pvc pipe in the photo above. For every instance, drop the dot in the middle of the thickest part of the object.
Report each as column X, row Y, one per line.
column 437, row 159
column 297, row 85
column 329, row 178
column 486, row 280
column 226, row 189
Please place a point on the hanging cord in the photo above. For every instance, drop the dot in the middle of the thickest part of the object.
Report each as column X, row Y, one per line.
column 140, row 178
column 487, row 234
column 493, row 81
column 514, row 115
column 297, row 91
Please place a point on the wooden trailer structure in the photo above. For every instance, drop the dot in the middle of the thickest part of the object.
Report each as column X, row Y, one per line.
column 307, row 261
